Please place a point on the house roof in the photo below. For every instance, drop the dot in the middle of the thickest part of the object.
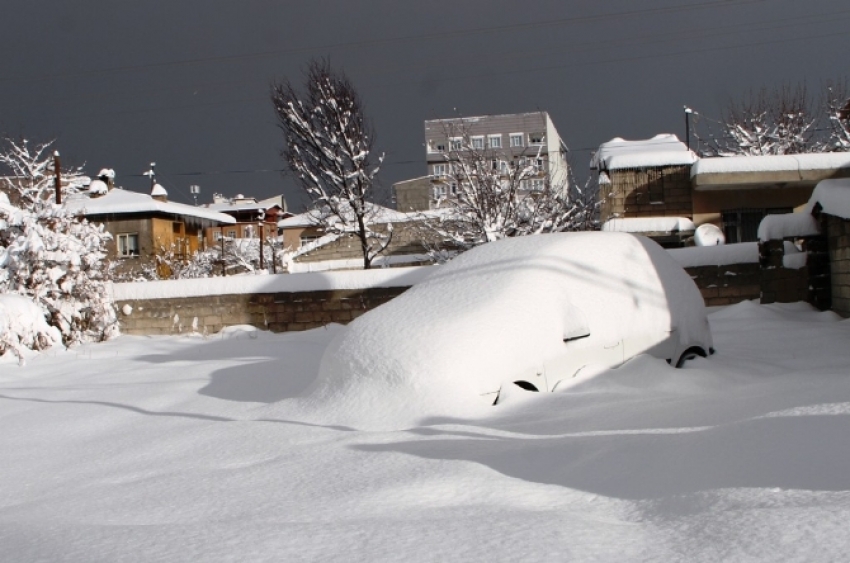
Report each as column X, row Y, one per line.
column 731, row 172
column 251, row 206
column 119, row 201
column 661, row 150
column 833, row 196
column 379, row 214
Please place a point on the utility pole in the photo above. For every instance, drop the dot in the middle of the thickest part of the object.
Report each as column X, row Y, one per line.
column 57, row 178
column 688, row 112
column 262, row 243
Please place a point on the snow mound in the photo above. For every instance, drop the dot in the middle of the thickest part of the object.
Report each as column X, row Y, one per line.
column 721, row 255
column 494, row 313
column 23, row 327
column 709, row 235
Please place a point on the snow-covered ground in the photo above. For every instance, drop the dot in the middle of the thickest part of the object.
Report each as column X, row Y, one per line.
column 193, row 449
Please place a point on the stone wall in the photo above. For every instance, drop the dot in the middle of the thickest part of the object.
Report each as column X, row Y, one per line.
column 726, row 285
column 277, row 312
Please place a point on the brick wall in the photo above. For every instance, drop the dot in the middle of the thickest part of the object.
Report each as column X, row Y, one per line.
column 278, row 312
column 838, row 241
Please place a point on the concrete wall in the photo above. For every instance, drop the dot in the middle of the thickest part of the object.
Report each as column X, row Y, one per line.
column 277, row 312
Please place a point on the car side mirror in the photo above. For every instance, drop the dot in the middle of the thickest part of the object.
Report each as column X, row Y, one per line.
column 576, row 326
column 576, row 333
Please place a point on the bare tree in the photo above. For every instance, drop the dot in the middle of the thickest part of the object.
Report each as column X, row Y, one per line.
column 329, row 151
column 771, row 122
column 837, row 107
column 485, row 194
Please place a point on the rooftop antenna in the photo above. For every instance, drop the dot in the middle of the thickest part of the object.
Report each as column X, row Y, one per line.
column 195, row 189
column 152, row 174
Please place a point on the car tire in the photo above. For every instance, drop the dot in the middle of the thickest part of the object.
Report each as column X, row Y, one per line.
column 690, row 354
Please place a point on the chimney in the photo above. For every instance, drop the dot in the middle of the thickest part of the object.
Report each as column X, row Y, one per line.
column 159, row 193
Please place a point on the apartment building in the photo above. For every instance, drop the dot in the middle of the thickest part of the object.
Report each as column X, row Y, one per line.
column 527, row 139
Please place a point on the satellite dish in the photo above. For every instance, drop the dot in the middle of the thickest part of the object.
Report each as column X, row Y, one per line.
column 709, row 235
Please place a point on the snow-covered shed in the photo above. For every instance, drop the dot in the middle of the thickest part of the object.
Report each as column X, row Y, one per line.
column 644, row 179
column 737, row 192
column 305, row 240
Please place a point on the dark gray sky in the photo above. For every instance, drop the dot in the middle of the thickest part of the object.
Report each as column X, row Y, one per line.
column 185, row 83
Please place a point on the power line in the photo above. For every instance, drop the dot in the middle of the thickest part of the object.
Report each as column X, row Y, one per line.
column 382, row 41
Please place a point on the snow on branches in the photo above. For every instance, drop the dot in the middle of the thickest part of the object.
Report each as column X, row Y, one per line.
column 49, row 255
column 785, row 120
column 329, row 150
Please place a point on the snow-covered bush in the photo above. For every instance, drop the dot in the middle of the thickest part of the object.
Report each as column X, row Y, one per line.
column 49, row 255
column 23, row 327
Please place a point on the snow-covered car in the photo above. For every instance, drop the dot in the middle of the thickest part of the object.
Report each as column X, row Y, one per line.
column 532, row 311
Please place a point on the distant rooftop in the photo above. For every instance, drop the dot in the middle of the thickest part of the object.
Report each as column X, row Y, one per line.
column 661, row 150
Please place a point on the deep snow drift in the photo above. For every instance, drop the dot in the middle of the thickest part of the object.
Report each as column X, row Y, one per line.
column 190, row 449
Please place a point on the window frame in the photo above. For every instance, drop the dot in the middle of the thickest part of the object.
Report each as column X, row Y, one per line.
column 491, row 138
column 516, row 140
column 126, row 237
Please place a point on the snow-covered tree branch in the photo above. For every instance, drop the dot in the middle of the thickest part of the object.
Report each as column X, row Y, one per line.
column 329, row 151
column 48, row 255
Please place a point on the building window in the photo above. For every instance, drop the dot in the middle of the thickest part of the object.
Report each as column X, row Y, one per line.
column 535, row 138
column 441, row 146
column 537, row 185
column 217, row 235
column 742, row 225
column 128, row 244
column 495, row 141
column 516, row 139
column 439, row 170
column 439, row 191
column 455, row 143
column 454, row 188
column 231, row 234
column 307, row 239
column 477, row 142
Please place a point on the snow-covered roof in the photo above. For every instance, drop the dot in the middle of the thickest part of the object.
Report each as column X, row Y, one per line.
column 158, row 191
column 833, row 197
column 378, row 214
column 734, row 171
column 119, row 201
column 648, row 225
column 248, row 206
column 661, row 150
